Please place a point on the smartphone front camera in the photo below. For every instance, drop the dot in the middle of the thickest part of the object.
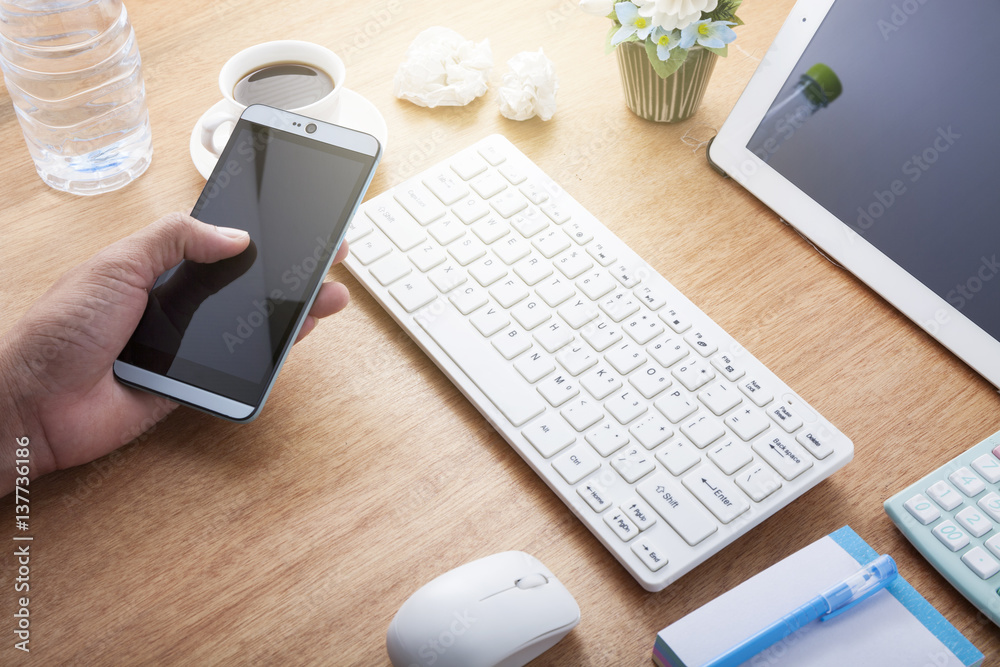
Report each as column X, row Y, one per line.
column 310, row 128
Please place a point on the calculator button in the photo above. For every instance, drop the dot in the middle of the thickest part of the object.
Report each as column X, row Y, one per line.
column 967, row 482
column 990, row 503
column 989, row 467
column 922, row 509
column 974, row 522
column 981, row 562
column 993, row 544
column 951, row 535
column 945, row 496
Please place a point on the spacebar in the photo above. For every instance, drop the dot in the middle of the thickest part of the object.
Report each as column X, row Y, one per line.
column 493, row 376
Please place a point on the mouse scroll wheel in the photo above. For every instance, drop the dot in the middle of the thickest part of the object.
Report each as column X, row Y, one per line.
column 531, row 581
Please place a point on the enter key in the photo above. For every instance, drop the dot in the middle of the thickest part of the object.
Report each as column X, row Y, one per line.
column 717, row 493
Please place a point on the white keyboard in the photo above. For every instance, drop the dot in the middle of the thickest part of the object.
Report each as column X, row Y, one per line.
column 659, row 431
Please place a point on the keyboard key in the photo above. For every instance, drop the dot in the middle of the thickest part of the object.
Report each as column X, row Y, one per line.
column 785, row 418
column 549, row 434
column 576, row 463
column 625, row 357
column 649, row 553
column 553, row 336
column 638, row 512
column 729, row 368
column 427, row 257
column 577, row 231
column 675, row 320
column 619, row 305
column 507, row 203
column 577, row 358
column 493, row 376
column 730, row 455
column 622, row 525
column 980, row 562
column 491, row 154
column 529, row 314
column 693, row 374
column 533, row 366
column 413, row 293
column 701, row 344
column 551, row 243
column 720, row 398
column 445, row 187
column 601, row 334
column 595, row 495
column 606, row 439
column 944, row 495
column 581, row 414
column 922, row 510
column 535, row 192
column 601, row 253
column 601, row 382
column 756, row 392
column 684, row 514
column 816, row 443
column 357, row 229
column 467, row 250
column 490, row 320
column 509, row 292
column 595, row 284
column 577, row 312
column 529, row 223
column 470, row 209
column 489, row 184
column 651, row 431
column 468, row 165
column 487, row 271
column 678, row 456
column 511, row 249
column 675, row 406
column 967, row 482
column 370, row 248
column 951, row 535
column 758, row 482
column 446, row 230
column 716, row 493
column 468, row 299
column 514, row 175
column 512, row 343
column 626, row 275
column 555, row 290
column 391, row 268
column 748, row 423
column 643, row 327
column 418, row 202
column 651, row 380
column 574, row 262
column 633, row 463
column 447, row 277
column 651, row 296
column 785, row 455
column 626, row 406
column 557, row 389
column 668, row 351
column 703, row 430
column 491, row 229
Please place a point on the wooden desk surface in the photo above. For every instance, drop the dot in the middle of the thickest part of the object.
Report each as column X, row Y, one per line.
column 295, row 539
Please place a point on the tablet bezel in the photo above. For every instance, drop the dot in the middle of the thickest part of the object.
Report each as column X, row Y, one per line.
column 729, row 153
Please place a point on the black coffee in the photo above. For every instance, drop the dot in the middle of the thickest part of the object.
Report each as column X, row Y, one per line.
column 284, row 85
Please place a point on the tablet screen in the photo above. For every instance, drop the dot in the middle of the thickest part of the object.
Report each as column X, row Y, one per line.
column 890, row 122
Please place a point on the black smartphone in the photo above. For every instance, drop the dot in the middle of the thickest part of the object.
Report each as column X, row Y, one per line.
column 214, row 336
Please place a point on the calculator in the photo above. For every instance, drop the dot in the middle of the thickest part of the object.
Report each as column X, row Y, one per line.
column 952, row 516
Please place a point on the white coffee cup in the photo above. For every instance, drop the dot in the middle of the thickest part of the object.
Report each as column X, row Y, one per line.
column 216, row 128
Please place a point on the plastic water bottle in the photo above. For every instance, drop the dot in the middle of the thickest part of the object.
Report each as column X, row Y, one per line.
column 815, row 90
column 73, row 71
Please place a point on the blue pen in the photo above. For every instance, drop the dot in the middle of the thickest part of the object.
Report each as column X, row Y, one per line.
column 870, row 579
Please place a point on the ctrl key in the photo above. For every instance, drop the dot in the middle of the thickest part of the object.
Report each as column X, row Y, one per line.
column 649, row 553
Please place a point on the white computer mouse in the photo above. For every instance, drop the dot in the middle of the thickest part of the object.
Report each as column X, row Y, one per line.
column 500, row 611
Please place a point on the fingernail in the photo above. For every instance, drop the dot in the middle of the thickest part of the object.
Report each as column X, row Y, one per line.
column 232, row 233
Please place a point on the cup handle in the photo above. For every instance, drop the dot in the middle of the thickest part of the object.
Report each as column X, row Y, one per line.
column 210, row 127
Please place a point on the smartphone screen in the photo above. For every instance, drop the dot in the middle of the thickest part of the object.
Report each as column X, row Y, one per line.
column 224, row 327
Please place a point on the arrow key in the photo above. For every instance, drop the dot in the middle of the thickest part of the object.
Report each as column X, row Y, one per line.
column 716, row 493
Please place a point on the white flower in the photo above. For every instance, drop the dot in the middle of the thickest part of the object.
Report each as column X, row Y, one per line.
column 599, row 7
column 674, row 14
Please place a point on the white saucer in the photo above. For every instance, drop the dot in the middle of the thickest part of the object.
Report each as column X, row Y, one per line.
column 355, row 112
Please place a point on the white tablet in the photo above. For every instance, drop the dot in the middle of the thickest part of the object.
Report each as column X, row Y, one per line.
column 873, row 127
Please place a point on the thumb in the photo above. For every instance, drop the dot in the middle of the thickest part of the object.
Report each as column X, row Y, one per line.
column 163, row 244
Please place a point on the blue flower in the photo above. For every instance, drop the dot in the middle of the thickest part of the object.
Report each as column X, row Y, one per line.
column 632, row 23
column 713, row 34
column 666, row 41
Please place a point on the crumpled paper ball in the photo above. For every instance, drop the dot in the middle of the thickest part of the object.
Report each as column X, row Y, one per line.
column 443, row 69
column 529, row 88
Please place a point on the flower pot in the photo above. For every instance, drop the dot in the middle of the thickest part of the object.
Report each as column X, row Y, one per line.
column 668, row 100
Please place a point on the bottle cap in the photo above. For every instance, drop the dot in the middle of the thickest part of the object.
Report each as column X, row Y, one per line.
column 828, row 86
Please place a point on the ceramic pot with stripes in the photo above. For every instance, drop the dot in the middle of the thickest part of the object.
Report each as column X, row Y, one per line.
column 668, row 100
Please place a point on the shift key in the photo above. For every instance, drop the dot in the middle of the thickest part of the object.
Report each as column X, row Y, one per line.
column 671, row 501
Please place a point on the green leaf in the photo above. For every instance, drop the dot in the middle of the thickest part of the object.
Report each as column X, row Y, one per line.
column 726, row 11
column 723, row 52
column 668, row 67
column 608, row 47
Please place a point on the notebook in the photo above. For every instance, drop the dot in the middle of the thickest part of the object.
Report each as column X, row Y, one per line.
column 896, row 626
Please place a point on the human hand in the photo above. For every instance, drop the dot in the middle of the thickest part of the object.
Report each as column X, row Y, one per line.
column 56, row 380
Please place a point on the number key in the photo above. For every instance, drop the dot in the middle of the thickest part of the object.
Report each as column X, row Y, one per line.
column 951, row 535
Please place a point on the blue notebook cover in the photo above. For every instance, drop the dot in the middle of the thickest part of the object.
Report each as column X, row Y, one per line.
column 896, row 626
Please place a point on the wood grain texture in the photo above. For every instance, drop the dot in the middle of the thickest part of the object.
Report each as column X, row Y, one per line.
column 295, row 539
